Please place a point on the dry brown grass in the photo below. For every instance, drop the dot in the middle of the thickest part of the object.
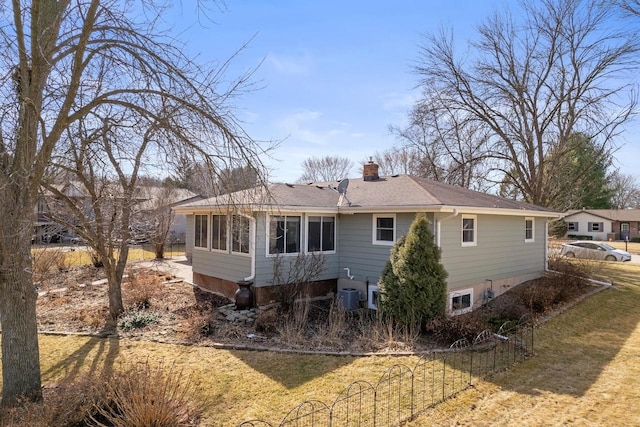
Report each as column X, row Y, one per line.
column 585, row 371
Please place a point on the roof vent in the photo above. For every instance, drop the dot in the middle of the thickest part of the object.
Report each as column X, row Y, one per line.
column 370, row 171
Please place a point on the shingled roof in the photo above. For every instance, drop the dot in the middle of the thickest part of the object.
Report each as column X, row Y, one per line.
column 398, row 192
column 610, row 214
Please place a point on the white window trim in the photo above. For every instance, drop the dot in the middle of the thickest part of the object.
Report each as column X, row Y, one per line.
column 459, row 293
column 306, row 234
column 374, row 234
column 475, row 230
column 228, row 231
column 202, row 248
column 268, row 236
column 533, row 229
column 230, row 235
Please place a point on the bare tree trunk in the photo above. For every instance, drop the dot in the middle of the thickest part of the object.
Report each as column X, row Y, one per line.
column 20, row 353
column 115, row 296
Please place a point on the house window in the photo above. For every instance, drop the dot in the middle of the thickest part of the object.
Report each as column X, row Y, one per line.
column 572, row 226
column 596, row 226
column 384, row 229
column 284, row 234
column 529, row 225
column 461, row 301
column 240, row 234
column 200, row 226
column 469, row 230
column 321, row 232
column 219, row 232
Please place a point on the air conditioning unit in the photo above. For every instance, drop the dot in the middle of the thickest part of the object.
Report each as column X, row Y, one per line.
column 373, row 293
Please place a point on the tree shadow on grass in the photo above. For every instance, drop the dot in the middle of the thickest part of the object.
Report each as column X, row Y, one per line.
column 96, row 357
column 574, row 348
column 291, row 370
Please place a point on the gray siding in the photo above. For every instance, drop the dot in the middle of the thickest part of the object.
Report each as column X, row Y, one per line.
column 357, row 252
column 501, row 251
column 222, row 265
column 189, row 237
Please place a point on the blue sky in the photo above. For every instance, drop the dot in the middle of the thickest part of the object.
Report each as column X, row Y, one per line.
column 334, row 74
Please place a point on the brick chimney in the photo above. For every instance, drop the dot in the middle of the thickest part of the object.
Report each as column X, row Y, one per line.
column 370, row 171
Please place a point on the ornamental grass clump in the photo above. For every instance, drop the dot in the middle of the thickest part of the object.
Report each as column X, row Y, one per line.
column 144, row 395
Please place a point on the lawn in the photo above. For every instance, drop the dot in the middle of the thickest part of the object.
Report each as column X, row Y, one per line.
column 237, row 385
column 79, row 255
column 586, row 371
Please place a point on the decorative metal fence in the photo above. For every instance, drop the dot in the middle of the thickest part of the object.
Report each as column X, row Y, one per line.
column 402, row 393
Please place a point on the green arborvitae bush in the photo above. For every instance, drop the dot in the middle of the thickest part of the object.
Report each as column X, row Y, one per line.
column 413, row 283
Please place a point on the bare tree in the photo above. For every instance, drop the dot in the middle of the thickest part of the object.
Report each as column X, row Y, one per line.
column 629, row 7
column 76, row 65
column 533, row 84
column 323, row 169
column 155, row 218
column 446, row 146
column 397, row 160
column 626, row 191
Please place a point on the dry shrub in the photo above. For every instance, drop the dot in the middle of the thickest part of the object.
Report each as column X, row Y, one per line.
column 539, row 298
column 90, row 316
column 295, row 323
column 141, row 289
column 66, row 404
column 208, row 298
column 267, row 321
column 332, row 331
column 199, row 323
column 374, row 331
column 564, row 284
column 142, row 395
column 47, row 260
column 448, row 330
column 137, row 396
column 371, row 332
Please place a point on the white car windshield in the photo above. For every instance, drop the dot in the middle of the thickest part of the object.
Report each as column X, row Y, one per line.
column 607, row 247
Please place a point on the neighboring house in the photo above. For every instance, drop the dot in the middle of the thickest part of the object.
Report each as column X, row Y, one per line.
column 149, row 201
column 489, row 244
column 603, row 224
column 158, row 202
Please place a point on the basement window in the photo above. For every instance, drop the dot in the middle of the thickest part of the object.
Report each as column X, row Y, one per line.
column 461, row 301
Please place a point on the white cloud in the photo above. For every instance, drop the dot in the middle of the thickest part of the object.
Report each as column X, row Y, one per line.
column 310, row 127
column 399, row 101
column 290, row 64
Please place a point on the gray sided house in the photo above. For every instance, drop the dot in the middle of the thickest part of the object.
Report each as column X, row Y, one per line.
column 489, row 244
column 603, row 224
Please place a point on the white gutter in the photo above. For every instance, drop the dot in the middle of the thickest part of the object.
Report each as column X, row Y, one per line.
column 252, row 248
column 439, row 222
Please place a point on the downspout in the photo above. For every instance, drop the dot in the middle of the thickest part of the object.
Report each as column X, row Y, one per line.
column 439, row 222
column 546, row 258
column 252, row 248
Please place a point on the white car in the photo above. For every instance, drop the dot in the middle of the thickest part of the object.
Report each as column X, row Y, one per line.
column 594, row 250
